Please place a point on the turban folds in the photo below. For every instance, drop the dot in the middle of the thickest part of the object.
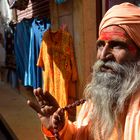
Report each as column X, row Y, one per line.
column 125, row 15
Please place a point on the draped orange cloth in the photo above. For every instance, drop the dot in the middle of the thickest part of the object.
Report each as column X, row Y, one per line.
column 79, row 130
column 58, row 62
column 57, row 59
column 125, row 15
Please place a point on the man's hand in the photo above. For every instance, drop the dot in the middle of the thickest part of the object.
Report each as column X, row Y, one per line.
column 48, row 110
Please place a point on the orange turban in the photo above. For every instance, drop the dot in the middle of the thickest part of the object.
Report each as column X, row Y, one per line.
column 125, row 15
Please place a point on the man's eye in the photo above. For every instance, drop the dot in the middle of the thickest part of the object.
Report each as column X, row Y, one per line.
column 100, row 44
column 117, row 45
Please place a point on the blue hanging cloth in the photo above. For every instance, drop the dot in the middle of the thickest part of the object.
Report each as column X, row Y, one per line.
column 60, row 1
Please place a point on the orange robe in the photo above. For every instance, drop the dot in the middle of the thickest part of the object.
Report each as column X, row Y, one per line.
column 57, row 59
column 79, row 130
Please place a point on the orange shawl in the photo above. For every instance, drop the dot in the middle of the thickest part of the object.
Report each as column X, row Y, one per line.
column 79, row 130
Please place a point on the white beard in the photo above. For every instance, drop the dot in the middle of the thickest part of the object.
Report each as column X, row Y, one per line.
column 109, row 93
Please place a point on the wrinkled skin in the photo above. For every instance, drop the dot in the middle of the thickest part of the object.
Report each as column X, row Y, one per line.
column 48, row 110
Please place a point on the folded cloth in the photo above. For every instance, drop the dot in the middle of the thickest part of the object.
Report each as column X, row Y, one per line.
column 125, row 15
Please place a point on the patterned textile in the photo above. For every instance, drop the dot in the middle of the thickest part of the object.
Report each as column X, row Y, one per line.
column 59, row 68
column 18, row 4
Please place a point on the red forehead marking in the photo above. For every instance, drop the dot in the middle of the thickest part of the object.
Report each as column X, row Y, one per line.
column 111, row 35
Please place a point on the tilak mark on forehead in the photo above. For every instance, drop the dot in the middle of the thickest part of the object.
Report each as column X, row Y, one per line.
column 114, row 33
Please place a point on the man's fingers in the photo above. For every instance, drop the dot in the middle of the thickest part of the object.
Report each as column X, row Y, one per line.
column 40, row 98
column 52, row 101
column 35, row 107
column 38, row 95
column 45, row 98
column 58, row 119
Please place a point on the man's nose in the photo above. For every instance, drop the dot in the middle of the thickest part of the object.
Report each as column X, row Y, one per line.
column 106, row 53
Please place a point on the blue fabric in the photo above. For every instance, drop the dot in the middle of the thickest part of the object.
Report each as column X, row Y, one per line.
column 60, row 1
column 27, row 40
column 34, row 75
column 21, row 45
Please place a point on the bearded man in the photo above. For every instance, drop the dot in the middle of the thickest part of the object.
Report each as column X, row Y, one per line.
column 112, row 107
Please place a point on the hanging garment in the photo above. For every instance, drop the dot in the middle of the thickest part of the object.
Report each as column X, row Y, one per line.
column 12, row 78
column 9, row 47
column 1, row 28
column 2, row 64
column 59, row 67
column 28, row 37
column 18, row 4
column 38, row 27
column 21, row 43
column 5, row 11
column 2, row 56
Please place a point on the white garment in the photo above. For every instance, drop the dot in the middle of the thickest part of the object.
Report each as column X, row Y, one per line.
column 6, row 12
column 2, row 56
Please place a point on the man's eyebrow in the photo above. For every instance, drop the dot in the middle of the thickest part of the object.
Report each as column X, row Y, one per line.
column 112, row 41
column 118, row 42
column 100, row 41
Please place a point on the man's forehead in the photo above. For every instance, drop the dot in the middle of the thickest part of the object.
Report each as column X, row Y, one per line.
column 116, row 33
column 113, row 33
column 113, row 28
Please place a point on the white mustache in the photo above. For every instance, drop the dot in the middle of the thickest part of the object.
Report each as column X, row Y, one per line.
column 117, row 68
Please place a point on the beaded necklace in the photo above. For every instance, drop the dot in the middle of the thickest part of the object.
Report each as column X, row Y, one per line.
column 66, row 108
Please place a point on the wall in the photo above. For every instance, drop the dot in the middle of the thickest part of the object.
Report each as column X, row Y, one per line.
column 80, row 16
